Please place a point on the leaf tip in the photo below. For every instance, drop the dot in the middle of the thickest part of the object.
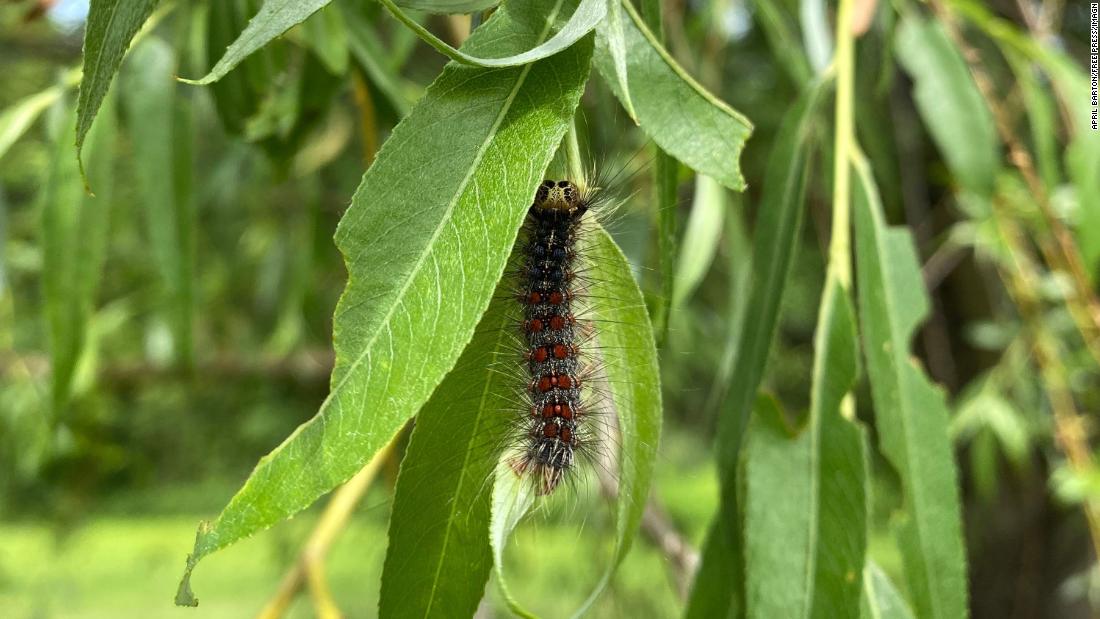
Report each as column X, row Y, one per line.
column 184, row 595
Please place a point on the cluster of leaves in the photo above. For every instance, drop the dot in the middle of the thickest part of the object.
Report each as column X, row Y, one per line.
column 429, row 231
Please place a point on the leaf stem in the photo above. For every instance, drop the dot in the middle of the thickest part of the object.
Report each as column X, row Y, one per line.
column 840, row 244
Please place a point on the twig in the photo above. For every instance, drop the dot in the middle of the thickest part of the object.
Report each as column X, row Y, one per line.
column 659, row 530
column 1070, row 427
column 1058, row 247
column 309, row 568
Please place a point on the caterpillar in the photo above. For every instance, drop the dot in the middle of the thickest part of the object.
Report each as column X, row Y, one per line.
column 555, row 427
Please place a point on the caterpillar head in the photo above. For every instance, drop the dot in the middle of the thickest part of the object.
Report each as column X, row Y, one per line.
column 558, row 196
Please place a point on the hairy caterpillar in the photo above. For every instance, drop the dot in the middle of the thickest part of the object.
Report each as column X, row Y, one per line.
column 555, row 427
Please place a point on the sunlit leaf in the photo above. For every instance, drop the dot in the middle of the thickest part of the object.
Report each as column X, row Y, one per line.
column 18, row 117
column 881, row 599
column 424, row 253
column 700, row 243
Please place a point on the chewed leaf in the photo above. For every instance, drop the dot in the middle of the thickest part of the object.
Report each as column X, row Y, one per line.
column 805, row 493
column 911, row 412
column 424, row 253
column 682, row 117
column 773, row 254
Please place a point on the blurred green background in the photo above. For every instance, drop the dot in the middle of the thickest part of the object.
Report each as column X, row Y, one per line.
column 178, row 392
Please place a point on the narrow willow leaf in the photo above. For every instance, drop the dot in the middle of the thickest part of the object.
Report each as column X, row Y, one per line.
column 817, row 35
column 700, row 244
column 151, row 107
column 881, row 599
column 366, row 49
column 110, row 27
column 805, row 495
column 949, row 103
column 328, row 38
column 717, row 591
column 439, row 557
column 667, row 172
column 782, row 41
column 447, row 7
column 610, row 36
column 626, row 343
column 278, row 16
column 74, row 244
column 424, row 252
column 513, row 497
column 911, row 413
column 18, row 117
column 588, row 14
column 682, row 117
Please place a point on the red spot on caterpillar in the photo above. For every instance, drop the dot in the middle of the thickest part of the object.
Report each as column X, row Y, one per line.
column 565, row 411
column 566, row 435
column 550, row 430
column 545, row 383
column 564, row 382
column 539, row 354
column 557, row 323
column 556, row 298
column 561, row 351
column 534, row 298
column 535, row 326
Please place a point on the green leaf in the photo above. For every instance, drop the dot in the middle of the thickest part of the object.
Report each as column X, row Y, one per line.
column 17, row 118
column 773, row 254
column 110, row 27
column 439, row 556
column 588, row 14
column 805, row 495
column 667, row 175
column 278, row 16
column 328, row 38
column 74, row 244
column 162, row 164
column 881, row 599
column 513, row 497
column 273, row 19
column 424, row 252
column 681, row 116
column 610, row 36
column 629, row 357
column 366, row 49
column 911, row 413
column 700, row 244
column 949, row 103
column 449, row 7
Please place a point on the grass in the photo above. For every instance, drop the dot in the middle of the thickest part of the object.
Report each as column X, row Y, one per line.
column 122, row 563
